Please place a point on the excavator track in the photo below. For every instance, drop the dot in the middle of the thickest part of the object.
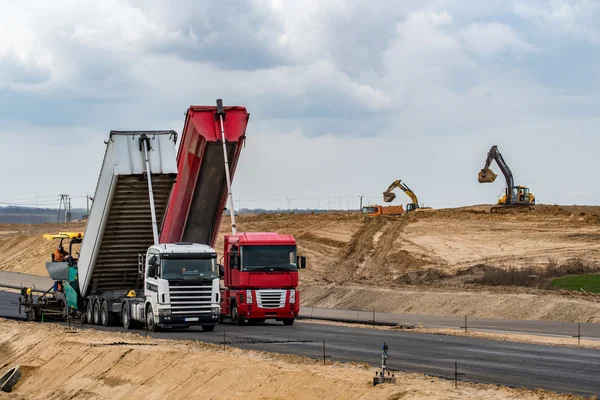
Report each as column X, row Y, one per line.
column 506, row 209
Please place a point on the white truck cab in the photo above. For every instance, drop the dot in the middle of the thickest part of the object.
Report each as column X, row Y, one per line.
column 181, row 287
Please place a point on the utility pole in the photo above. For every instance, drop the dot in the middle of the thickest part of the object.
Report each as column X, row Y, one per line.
column 68, row 216
column 360, row 196
column 63, row 201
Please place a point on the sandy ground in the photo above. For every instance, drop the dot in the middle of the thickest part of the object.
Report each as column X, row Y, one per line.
column 492, row 303
column 24, row 249
column 99, row 365
column 454, row 243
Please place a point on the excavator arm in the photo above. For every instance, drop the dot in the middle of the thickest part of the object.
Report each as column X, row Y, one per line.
column 389, row 196
column 486, row 175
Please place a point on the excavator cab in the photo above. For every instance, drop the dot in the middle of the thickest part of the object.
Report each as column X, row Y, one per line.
column 411, row 207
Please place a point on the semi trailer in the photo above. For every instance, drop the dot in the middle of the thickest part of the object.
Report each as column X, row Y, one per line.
column 123, row 274
column 260, row 269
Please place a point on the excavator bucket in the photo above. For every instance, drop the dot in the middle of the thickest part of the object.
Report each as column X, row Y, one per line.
column 486, row 176
column 388, row 197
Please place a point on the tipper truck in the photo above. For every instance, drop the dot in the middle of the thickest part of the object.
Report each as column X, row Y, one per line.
column 260, row 270
column 122, row 272
column 375, row 210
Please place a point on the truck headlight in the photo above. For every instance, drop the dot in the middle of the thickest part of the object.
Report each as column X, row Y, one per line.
column 249, row 296
column 292, row 296
column 216, row 310
column 164, row 311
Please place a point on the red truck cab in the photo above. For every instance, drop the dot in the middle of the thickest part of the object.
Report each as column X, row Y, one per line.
column 260, row 274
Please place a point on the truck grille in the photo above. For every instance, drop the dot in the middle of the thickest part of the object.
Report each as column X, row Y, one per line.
column 270, row 298
column 190, row 300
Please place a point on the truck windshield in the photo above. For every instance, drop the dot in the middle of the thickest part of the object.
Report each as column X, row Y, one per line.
column 189, row 268
column 369, row 210
column 268, row 258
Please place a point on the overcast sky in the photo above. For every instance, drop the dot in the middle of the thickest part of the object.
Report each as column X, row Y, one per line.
column 344, row 96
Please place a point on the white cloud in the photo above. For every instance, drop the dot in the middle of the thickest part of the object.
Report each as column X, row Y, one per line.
column 491, row 39
column 577, row 18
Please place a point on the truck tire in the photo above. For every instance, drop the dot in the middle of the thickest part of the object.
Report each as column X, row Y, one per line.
column 288, row 321
column 235, row 315
column 10, row 379
column 104, row 315
column 89, row 312
column 96, row 312
column 208, row 328
column 150, row 324
column 125, row 318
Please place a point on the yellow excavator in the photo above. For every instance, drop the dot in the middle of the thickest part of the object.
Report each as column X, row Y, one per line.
column 515, row 197
column 389, row 196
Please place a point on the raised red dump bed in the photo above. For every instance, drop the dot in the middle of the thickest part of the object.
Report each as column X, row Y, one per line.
column 200, row 193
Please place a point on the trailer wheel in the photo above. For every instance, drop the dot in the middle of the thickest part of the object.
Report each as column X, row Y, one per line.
column 150, row 324
column 104, row 313
column 125, row 319
column 96, row 311
column 208, row 328
column 89, row 312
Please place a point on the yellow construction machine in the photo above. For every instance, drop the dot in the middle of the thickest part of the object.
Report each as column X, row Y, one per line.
column 389, row 196
column 515, row 196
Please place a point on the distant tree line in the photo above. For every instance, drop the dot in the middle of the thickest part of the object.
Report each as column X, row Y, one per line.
column 35, row 215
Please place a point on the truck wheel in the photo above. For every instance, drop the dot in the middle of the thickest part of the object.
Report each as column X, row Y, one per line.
column 208, row 328
column 150, row 325
column 89, row 312
column 288, row 321
column 235, row 315
column 96, row 311
column 31, row 314
column 104, row 313
column 125, row 316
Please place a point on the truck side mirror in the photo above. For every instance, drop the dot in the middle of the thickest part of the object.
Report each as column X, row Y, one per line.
column 221, row 271
column 301, row 262
column 234, row 259
column 151, row 270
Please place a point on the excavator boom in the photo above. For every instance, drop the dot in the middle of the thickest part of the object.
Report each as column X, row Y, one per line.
column 389, row 196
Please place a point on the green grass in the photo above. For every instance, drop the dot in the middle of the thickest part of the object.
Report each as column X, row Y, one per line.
column 589, row 283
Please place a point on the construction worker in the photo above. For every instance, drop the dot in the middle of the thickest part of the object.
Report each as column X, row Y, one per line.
column 59, row 254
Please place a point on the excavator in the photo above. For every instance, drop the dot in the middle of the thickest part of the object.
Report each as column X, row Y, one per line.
column 517, row 198
column 389, row 196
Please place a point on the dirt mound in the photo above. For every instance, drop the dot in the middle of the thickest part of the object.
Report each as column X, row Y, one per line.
column 373, row 253
column 25, row 250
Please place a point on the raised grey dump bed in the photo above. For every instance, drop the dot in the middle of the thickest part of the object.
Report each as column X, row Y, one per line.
column 120, row 223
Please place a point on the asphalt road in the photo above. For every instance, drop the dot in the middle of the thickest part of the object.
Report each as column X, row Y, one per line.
column 562, row 369
column 15, row 280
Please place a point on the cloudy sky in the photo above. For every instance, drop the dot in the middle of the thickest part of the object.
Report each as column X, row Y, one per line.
column 344, row 96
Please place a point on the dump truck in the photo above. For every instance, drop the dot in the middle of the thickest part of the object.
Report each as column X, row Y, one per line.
column 123, row 274
column 516, row 197
column 260, row 269
column 376, row 210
